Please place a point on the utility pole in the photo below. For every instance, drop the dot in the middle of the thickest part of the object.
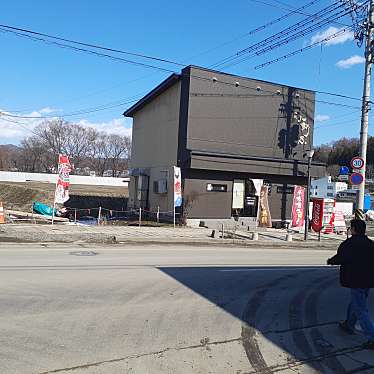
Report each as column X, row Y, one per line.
column 366, row 105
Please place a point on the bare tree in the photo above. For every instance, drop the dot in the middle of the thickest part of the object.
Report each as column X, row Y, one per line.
column 119, row 152
column 84, row 146
column 99, row 155
column 34, row 157
column 79, row 144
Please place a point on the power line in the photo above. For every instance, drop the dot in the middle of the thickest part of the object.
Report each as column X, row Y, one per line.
column 258, row 28
column 289, row 8
column 279, row 19
column 337, row 124
column 88, row 51
column 302, row 32
column 72, row 114
column 297, row 31
column 252, row 32
column 337, row 104
column 100, row 47
column 293, row 29
column 338, row 95
column 133, row 99
column 103, row 107
column 275, row 94
column 301, row 50
column 23, row 125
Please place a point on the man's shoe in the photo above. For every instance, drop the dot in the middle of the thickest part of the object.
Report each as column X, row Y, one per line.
column 344, row 327
column 369, row 345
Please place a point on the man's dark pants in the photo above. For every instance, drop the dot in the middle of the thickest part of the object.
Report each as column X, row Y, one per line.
column 358, row 311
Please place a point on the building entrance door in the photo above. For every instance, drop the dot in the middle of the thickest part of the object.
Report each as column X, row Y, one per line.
column 244, row 198
column 250, row 200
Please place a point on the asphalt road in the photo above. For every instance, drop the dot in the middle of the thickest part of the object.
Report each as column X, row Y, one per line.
column 173, row 310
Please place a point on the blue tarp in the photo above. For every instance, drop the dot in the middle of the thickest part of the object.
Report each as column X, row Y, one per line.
column 41, row 208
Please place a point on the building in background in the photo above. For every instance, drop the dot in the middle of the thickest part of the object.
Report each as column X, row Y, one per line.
column 229, row 135
column 326, row 188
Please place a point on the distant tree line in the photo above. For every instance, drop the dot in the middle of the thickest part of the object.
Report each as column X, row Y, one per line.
column 340, row 153
column 86, row 148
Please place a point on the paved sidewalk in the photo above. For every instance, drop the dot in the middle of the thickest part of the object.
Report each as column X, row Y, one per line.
column 34, row 233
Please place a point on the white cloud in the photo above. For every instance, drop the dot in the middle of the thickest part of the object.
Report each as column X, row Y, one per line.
column 342, row 38
column 13, row 129
column 48, row 110
column 120, row 126
column 321, row 118
column 351, row 61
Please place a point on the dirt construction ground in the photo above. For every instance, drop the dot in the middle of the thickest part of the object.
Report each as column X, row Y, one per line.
column 19, row 196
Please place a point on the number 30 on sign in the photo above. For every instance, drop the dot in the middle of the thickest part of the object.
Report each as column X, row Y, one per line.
column 357, row 163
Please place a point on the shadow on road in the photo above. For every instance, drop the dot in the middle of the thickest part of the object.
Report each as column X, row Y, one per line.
column 285, row 324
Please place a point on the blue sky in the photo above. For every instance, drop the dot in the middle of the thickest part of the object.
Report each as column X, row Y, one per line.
column 42, row 79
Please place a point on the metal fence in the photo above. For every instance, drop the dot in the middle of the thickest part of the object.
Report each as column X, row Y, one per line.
column 140, row 216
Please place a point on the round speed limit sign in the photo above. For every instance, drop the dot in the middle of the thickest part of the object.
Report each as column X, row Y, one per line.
column 357, row 163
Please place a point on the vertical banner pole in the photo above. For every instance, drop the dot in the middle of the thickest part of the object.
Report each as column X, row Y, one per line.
column 158, row 214
column 177, row 190
column 75, row 215
column 99, row 216
column 140, row 217
column 54, row 200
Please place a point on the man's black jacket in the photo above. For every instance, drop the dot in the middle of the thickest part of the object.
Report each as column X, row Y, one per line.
column 356, row 257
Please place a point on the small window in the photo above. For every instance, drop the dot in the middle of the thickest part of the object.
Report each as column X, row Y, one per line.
column 330, row 194
column 330, row 187
column 216, row 187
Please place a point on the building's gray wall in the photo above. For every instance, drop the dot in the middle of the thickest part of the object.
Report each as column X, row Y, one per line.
column 155, row 131
column 155, row 142
column 162, row 201
column 199, row 203
column 203, row 204
column 237, row 120
column 284, row 168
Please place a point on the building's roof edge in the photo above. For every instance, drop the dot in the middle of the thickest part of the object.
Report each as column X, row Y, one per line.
column 175, row 77
column 248, row 78
column 152, row 94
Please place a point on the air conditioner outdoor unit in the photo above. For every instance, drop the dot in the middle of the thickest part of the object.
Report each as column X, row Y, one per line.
column 160, row 186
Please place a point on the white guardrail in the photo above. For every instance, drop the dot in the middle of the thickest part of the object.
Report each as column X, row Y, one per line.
column 13, row 176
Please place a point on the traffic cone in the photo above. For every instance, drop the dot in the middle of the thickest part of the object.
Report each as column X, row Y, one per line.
column 2, row 214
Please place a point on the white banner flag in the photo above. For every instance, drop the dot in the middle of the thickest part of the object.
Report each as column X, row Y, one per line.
column 63, row 181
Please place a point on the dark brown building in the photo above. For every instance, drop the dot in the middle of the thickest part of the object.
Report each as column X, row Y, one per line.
column 228, row 134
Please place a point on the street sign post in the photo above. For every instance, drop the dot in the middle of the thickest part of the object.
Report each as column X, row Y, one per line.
column 357, row 163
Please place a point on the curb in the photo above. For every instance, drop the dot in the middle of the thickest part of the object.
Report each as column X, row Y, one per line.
column 230, row 243
column 110, row 239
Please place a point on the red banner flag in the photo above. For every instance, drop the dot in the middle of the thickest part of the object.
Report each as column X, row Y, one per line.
column 298, row 207
column 317, row 215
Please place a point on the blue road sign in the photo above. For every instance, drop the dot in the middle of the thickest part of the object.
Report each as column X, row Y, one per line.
column 356, row 178
column 344, row 170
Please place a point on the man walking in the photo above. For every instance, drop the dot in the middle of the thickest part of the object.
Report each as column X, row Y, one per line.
column 356, row 259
